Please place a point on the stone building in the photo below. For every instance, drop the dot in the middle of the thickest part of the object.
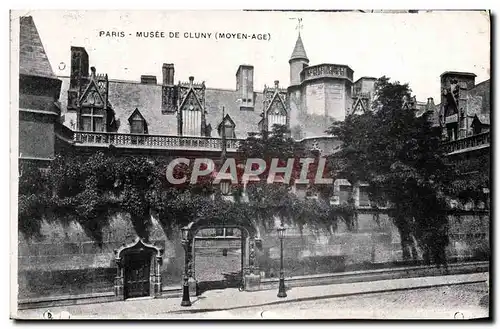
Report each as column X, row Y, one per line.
column 89, row 111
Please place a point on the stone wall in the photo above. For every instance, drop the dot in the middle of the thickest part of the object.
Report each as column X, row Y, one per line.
column 336, row 99
column 36, row 139
column 372, row 241
column 66, row 262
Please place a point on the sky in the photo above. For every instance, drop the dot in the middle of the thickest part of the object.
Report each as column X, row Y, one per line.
column 413, row 48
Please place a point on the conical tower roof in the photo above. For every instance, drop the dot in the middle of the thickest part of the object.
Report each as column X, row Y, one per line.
column 32, row 57
column 299, row 51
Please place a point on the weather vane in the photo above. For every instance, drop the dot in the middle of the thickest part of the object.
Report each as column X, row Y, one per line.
column 299, row 23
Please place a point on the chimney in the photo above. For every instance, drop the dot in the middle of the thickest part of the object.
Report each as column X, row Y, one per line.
column 79, row 66
column 168, row 74
column 244, row 85
column 430, row 101
column 148, row 79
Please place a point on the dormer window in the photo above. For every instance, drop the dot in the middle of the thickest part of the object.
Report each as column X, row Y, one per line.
column 92, row 119
column 229, row 127
column 137, row 123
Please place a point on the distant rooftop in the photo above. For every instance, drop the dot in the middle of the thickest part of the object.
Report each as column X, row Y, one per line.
column 366, row 78
column 458, row 73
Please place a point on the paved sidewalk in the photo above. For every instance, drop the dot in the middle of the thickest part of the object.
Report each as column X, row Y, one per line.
column 220, row 302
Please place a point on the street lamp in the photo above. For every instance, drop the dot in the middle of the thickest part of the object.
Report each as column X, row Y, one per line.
column 185, row 287
column 225, row 187
column 281, row 291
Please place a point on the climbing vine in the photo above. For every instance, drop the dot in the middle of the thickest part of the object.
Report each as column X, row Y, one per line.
column 92, row 189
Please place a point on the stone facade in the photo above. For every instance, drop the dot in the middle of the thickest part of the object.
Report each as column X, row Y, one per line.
column 88, row 111
column 66, row 262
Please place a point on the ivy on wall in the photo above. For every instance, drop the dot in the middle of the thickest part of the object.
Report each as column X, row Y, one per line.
column 90, row 190
column 400, row 156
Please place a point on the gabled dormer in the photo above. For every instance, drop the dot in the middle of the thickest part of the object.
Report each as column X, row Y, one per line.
column 91, row 97
column 191, row 114
column 480, row 123
column 359, row 106
column 229, row 127
column 93, row 110
column 137, row 122
column 275, row 109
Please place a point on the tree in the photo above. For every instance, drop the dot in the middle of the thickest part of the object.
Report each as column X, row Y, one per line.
column 92, row 189
column 399, row 156
column 269, row 201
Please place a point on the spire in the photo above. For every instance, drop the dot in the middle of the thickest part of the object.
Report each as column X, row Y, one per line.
column 299, row 51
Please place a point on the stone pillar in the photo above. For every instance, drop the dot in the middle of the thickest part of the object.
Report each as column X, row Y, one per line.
column 119, row 281
column 157, row 277
column 252, row 279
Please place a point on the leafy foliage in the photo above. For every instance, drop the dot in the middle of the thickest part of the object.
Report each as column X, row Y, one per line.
column 92, row 189
column 270, row 201
column 399, row 156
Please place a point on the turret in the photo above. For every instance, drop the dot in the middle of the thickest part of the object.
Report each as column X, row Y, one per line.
column 298, row 61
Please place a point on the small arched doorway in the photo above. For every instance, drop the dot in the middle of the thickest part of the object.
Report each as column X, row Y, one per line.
column 138, row 270
column 249, row 243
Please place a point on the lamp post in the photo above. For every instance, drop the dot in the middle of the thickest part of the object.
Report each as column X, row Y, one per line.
column 185, row 286
column 281, row 291
column 225, row 187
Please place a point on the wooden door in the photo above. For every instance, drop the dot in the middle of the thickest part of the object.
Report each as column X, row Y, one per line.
column 137, row 269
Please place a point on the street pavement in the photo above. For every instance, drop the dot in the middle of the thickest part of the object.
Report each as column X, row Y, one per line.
column 438, row 297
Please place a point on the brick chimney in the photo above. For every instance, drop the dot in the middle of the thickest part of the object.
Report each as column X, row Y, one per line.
column 244, row 85
column 168, row 74
column 148, row 79
column 79, row 66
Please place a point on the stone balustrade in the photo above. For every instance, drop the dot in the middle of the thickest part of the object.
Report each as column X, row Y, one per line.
column 327, row 70
column 153, row 141
column 468, row 143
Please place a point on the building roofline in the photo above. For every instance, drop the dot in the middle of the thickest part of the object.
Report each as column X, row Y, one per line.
column 134, row 82
column 366, row 78
column 344, row 65
column 458, row 73
column 480, row 83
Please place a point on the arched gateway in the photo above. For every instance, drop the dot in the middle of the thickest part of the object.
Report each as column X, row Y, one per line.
column 250, row 242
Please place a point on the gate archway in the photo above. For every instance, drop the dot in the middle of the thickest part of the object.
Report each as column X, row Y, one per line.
column 250, row 242
column 219, row 258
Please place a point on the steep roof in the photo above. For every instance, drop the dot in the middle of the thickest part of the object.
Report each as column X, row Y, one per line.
column 483, row 118
column 32, row 57
column 483, row 90
column 299, row 52
column 126, row 96
column 246, row 121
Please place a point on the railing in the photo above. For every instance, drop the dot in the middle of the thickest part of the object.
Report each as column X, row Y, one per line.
column 153, row 141
column 361, row 95
column 482, row 139
column 326, row 70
